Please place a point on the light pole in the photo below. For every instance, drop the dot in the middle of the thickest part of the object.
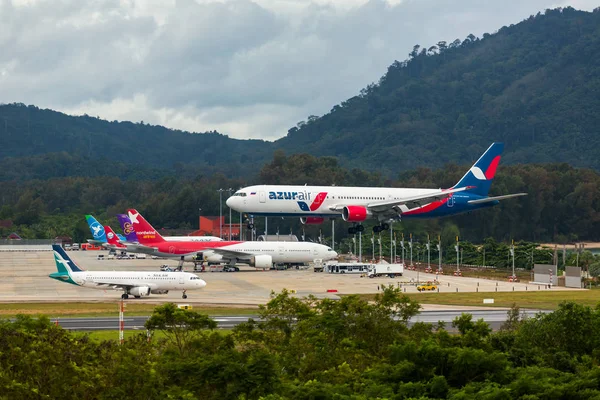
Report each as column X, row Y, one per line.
column 333, row 234
column 402, row 246
column 512, row 253
column 230, row 190
column 439, row 247
column 428, row 253
column 410, row 245
column 391, row 244
column 220, row 212
column 373, row 244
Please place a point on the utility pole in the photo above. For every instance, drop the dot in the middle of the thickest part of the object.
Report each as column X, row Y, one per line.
column 379, row 240
column 439, row 247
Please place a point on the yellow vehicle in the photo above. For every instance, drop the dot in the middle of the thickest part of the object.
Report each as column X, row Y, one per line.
column 427, row 286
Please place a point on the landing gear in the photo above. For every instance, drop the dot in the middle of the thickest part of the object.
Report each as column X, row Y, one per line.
column 180, row 265
column 384, row 226
column 184, row 296
column 353, row 230
column 124, row 296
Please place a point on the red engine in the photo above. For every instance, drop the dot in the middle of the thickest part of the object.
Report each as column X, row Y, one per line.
column 355, row 213
column 311, row 220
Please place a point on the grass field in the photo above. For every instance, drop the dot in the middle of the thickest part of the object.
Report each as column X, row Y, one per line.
column 546, row 300
column 8, row 310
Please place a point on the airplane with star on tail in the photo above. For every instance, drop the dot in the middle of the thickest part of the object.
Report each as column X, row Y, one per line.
column 256, row 254
column 130, row 235
column 313, row 204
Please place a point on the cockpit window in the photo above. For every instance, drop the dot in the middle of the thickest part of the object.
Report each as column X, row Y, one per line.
column 329, row 249
column 240, row 194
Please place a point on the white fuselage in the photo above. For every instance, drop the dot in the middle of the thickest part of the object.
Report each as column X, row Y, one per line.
column 153, row 280
column 317, row 201
column 281, row 252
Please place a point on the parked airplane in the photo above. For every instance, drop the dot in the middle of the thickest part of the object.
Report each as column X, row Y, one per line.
column 130, row 235
column 98, row 232
column 256, row 254
column 137, row 284
column 355, row 204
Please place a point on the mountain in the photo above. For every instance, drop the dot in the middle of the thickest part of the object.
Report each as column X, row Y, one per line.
column 87, row 143
column 534, row 85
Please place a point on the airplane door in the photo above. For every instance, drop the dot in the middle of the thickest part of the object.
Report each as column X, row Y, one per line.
column 261, row 196
column 315, row 252
column 281, row 251
column 450, row 202
column 181, row 280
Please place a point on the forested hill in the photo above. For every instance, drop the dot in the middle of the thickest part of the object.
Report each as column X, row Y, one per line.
column 88, row 143
column 534, row 85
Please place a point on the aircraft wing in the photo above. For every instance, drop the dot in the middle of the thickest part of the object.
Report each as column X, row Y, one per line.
column 139, row 248
column 488, row 199
column 414, row 201
column 110, row 284
column 240, row 255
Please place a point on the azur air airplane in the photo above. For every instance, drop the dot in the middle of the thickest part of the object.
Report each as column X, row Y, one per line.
column 355, row 204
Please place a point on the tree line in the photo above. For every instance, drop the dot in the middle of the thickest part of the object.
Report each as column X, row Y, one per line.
column 561, row 205
column 311, row 349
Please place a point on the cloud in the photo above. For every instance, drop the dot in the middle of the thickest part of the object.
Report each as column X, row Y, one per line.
column 247, row 69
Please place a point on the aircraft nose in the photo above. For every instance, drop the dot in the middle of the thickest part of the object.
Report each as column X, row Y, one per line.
column 201, row 283
column 230, row 202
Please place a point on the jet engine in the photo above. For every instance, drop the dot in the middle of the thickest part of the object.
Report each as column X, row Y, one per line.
column 262, row 261
column 192, row 257
column 355, row 213
column 159, row 291
column 140, row 291
column 311, row 220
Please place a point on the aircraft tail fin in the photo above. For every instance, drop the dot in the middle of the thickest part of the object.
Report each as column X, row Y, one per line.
column 145, row 232
column 127, row 228
column 96, row 228
column 482, row 173
column 111, row 237
column 64, row 264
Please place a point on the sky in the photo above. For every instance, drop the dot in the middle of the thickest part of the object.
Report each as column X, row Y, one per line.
column 247, row 69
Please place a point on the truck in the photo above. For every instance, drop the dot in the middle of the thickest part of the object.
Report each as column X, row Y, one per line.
column 389, row 270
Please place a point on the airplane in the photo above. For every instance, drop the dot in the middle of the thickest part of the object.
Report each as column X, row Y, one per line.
column 256, row 254
column 137, row 284
column 355, row 204
column 130, row 235
column 98, row 232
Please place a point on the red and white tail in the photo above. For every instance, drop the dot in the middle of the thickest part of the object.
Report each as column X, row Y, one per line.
column 145, row 232
column 111, row 238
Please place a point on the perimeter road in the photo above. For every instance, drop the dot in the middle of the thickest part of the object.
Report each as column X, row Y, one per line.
column 494, row 318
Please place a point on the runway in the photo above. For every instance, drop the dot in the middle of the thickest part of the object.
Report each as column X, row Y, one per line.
column 494, row 318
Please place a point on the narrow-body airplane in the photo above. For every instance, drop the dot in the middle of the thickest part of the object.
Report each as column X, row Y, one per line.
column 130, row 235
column 137, row 284
column 256, row 254
column 356, row 204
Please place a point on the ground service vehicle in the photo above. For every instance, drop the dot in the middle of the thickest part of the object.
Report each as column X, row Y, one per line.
column 391, row 270
column 427, row 286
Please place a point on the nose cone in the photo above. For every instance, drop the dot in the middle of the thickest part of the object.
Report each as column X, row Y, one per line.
column 201, row 283
column 231, row 202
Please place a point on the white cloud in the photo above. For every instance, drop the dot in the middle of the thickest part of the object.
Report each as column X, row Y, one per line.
column 244, row 68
